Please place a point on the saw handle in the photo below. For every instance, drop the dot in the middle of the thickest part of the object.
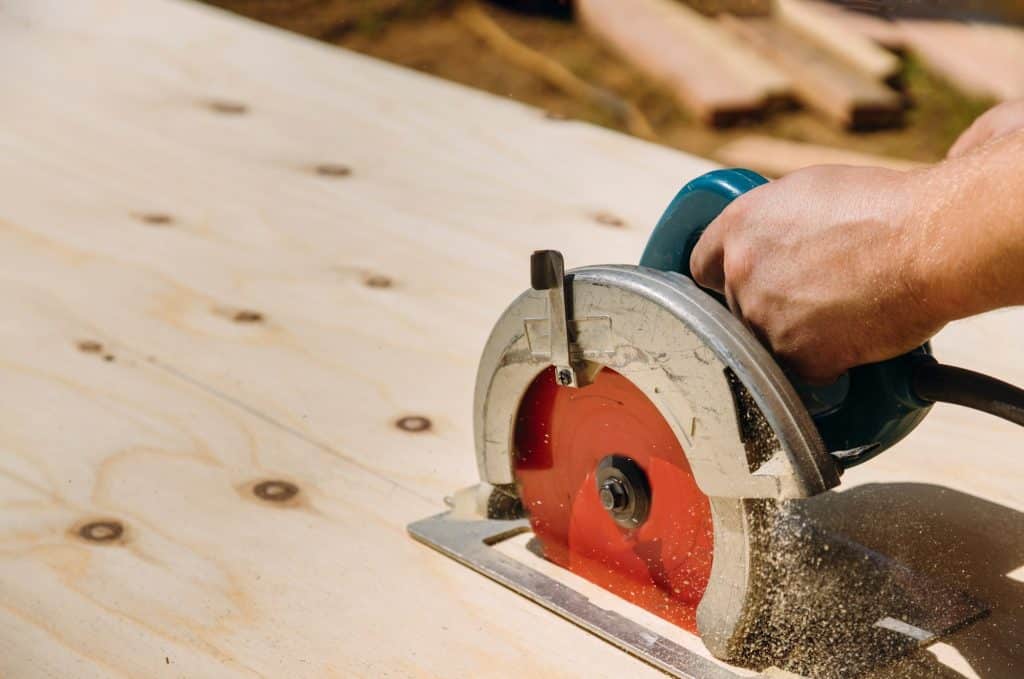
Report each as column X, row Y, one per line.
column 869, row 408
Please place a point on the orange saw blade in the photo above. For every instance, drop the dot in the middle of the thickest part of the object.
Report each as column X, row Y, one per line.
column 562, row 434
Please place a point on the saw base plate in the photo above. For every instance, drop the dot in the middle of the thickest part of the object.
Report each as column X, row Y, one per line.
column 840, row 609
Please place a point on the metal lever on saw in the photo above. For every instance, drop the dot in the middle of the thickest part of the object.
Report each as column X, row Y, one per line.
column 869, row 408
column 547, row 272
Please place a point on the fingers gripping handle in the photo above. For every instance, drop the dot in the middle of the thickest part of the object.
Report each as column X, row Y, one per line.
column 872, row 406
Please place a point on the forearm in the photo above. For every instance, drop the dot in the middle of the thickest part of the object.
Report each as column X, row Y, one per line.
column 968, row 220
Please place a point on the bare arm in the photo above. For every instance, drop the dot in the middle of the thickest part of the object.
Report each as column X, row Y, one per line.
column 835, row 266
column 971, row 218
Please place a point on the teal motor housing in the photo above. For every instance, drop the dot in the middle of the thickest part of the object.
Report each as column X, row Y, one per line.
column 865, row 411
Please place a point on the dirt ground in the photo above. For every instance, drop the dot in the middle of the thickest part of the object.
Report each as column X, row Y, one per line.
column 422, row 34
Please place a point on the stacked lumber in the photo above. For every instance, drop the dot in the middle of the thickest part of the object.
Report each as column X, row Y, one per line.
column 821, row 79
column 710, row 73
column 984, row 60
column 777, row 157
column 751, row 59
column 820, row 27
column 832, row 60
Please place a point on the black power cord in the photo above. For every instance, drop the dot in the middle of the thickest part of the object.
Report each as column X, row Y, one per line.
column 947, row 383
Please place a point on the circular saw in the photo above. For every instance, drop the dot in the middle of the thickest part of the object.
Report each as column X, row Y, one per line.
column 652, row 445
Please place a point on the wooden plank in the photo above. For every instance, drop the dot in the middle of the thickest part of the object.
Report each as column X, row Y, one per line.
column 820, row 80
column 860, row 52
column 776, row 157
column 284, row 248
column 984, row 60
column 709, row 72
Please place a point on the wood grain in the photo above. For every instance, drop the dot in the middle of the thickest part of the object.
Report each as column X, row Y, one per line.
column 274, row 322
column 231, row 256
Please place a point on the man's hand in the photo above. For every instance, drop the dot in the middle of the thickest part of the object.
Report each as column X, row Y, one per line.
column 836, row 266
column 820, row 266
column 995, row 123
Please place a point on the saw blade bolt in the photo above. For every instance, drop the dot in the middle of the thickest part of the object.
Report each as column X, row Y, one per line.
column 564, row 377
column 623, row 490
column 614, row 495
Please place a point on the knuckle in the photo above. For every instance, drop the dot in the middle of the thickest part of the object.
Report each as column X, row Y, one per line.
column 755, row 321
column 756, row 313
column 699, row 267
column 739, row 210
column 738, row 263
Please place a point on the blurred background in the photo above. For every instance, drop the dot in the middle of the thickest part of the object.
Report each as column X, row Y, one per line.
column 769, row 84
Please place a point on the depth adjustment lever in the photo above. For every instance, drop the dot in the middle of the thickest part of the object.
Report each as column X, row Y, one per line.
column 547, row 272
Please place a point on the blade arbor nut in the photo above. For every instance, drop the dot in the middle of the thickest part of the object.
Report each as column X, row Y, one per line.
column 624, row 491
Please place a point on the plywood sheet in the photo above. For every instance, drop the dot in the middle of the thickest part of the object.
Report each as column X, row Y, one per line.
column 231, row 262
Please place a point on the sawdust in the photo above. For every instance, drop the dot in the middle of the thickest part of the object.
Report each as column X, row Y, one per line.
column 758, row 437
column 820, row 605
column 828, row 608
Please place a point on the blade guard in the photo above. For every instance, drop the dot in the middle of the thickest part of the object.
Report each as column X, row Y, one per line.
column 748, row 448
column 869, row 408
